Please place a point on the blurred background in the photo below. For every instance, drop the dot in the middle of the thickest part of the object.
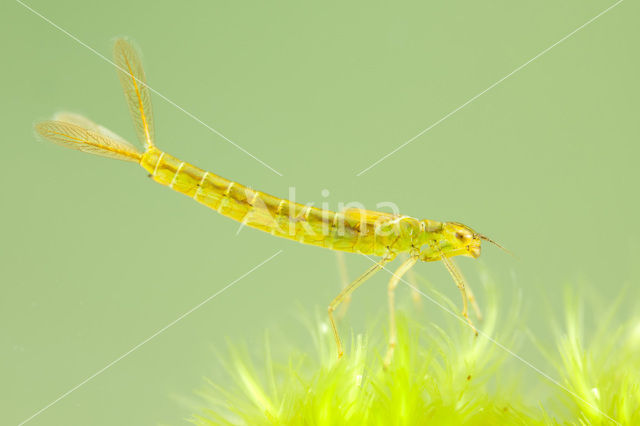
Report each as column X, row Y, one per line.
column 96, row 258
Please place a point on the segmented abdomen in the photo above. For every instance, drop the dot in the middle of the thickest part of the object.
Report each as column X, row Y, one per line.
column 308, row 225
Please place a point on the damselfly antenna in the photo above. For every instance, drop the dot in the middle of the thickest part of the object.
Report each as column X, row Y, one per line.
column 484, row 237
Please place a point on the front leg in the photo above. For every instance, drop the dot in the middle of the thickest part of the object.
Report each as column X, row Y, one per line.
column 457, row 277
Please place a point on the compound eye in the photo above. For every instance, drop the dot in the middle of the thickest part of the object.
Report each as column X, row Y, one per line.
column 462, row 235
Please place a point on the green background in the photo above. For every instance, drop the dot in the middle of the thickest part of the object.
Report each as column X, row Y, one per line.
column 95, row 257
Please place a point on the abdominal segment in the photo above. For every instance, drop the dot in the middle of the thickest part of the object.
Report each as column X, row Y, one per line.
column 365, row 232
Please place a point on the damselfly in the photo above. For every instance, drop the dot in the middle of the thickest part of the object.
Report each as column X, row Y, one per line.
column 353, row 230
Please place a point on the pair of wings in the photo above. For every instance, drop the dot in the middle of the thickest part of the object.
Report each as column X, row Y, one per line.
column 78, row 132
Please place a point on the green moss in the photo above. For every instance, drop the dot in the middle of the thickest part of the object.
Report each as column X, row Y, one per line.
column 602, row 371
column 438, row 376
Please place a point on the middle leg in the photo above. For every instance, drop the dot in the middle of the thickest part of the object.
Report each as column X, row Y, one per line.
column 346, row 292
column 393, row 283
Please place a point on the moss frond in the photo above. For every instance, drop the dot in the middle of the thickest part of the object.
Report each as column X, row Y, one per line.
column 439, row 375
column 603, row 372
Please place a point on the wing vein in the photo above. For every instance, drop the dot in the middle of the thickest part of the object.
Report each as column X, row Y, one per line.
column 140, row 103
column 136, row 91
column 82, row 139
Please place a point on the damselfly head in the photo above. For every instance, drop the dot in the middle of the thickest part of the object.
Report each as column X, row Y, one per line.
column 462, row 239
column 465, row 241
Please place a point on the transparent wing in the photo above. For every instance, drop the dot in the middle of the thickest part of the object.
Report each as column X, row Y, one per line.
column 86, row 140
column 362, row 219
column 82, row 121
column 135, row 88
column 368, row 216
